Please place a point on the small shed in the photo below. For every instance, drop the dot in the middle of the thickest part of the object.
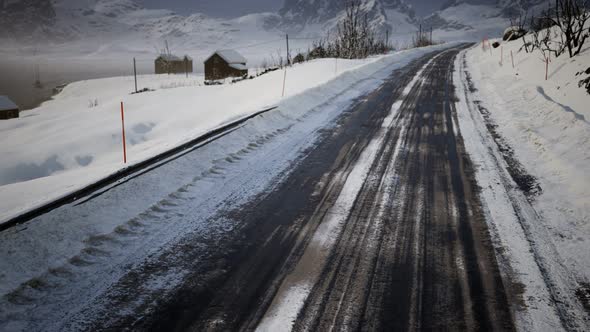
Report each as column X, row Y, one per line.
column 8, row 109
column 172, row 64
column 225, row 63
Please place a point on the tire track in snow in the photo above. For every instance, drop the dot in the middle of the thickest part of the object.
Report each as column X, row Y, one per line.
column 297, row 286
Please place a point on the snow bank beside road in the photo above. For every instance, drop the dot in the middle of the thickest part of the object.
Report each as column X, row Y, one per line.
column 65, row 144
column 546, row 124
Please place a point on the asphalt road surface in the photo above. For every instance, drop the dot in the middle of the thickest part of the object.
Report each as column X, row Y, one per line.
column 412, row 251
column 377, row 227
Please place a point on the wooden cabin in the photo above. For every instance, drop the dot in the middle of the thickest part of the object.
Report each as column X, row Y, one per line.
column 8, row 109
column 172, row 64
column 225, row 63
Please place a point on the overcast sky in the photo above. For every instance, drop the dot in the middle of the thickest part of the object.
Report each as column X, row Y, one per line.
column 234, row 8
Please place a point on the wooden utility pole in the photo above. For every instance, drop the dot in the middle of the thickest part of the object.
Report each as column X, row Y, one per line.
column 288, row 54
column 430, row 35
column 420, row 35
column 135, row 74
column 387, row 38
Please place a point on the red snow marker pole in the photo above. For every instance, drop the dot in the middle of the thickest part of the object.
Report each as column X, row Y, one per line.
column 123, row 130
column 512, row 57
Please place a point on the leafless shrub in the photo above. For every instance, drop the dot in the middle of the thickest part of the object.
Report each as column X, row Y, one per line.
column 571, row 16
column 584, row 83
column 558, row 29
column 421, row 39
column 280, row 60
column 354, row 39
column 299, row 58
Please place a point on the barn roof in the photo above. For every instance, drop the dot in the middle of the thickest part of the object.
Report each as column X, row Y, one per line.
column 230, row 56
column 169, row 57
column 7, row 104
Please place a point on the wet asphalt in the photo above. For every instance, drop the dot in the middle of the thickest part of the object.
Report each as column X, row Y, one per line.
column 414, row 252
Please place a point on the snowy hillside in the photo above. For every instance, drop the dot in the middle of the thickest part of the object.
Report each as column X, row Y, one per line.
column 127, row 25
column 477, row 19
column 310, row 16
column 545, row 124
column 86, row 26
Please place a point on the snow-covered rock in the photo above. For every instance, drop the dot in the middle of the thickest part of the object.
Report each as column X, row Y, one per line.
column 513, row 33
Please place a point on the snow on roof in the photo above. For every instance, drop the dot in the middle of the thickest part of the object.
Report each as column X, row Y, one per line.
column 230, row 56
column 169, row 57
column 238, row 66
column 7, row 104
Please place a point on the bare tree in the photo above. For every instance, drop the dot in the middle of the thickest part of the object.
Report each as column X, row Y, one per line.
column 280, row 59
column 571, row 16
column 354, row 38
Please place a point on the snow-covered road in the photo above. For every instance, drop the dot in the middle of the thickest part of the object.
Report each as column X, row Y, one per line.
column 378, row 205
column 69, row 268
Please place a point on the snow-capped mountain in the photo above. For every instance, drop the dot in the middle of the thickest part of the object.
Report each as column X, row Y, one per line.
column 106, row 26
column 120, row 25
column 475, row 19
column 309, row 16
column 74, row 19
column 26, row 18
column 67, row 20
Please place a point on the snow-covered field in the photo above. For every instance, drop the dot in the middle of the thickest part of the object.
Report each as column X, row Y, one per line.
column 67, row 143
column 546, row 123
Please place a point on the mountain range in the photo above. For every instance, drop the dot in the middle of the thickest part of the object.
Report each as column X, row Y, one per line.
column 125, row 24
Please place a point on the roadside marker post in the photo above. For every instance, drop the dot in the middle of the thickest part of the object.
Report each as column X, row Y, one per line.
column 512, row 57
column 135, row 74
column 501, row 55
column 123, row 130
column 546, row 68
column 284, row 82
